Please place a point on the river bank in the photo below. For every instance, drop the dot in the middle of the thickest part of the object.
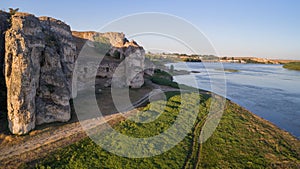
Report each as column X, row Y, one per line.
column 268, row 146
column 263, row 145
column 269, row 91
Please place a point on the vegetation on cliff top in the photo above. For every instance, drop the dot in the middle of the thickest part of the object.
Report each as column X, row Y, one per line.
column 292, row 66
column 102, row 44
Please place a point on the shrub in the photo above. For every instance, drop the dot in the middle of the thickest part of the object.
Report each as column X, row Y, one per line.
column 292, row 66
column 102, row 44
column 13, row 11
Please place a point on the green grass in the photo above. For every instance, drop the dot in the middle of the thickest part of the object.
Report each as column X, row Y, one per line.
column 245, row 141
column 164, row 78
column 241, row 140
column 163, row 81
column 86, row 154
column 102, row 44
column 292, row 66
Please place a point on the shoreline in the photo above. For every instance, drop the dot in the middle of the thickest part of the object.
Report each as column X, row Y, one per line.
column 46, row 146
column 255, row 123
column 227, row 97
column 298, row 138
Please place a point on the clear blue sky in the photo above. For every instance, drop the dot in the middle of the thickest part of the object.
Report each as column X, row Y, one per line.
column 261, row 28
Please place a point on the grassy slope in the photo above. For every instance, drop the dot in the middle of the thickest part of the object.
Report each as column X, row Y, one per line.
column 86, row 154
column 241, row 140
column 292, row 66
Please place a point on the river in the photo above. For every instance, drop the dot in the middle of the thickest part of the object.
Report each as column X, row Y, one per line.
column 269, row 91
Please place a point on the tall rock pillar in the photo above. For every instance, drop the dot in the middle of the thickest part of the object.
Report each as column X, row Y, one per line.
column 23, row 47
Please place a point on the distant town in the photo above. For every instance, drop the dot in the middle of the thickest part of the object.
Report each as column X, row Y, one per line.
column 213, row 58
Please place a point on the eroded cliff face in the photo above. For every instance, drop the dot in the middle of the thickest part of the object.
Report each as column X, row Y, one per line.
column 130, row 72
column 57, row 63
column 4, row 25
column 39, row 59
column 123, row 64
column 23, row 47
column 38, row 55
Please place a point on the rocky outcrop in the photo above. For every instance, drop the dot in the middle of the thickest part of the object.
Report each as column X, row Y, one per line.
column 39, row 58
column 124, row 60
column 57, row 63
column 4, row 25
column 116, row 39
column 113, row 39
column 130, row 72
column 23, row 47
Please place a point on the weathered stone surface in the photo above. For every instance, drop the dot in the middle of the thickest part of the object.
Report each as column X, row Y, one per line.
column 124, row 60
column 116, row 39
column 134, row 66
column 130, row 73
column 39, row 55
column 57, row 64
column 24, row 45
column 4, row 25
column 39, row 59
column 149, row 67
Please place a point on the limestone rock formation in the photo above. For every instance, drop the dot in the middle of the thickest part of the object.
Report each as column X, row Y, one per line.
column 57, row 62
column 116, row 39
column 4, row 25
column 135, row 66
column 130, row 72
column 39, row 58
column 124, row 60
column 23, row 47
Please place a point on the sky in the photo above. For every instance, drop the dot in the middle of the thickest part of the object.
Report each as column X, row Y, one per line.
column 259, row 28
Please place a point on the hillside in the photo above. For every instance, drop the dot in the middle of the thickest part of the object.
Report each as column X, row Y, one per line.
column 241, row 140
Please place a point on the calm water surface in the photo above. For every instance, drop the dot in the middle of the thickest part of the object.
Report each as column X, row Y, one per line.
column 269, row 91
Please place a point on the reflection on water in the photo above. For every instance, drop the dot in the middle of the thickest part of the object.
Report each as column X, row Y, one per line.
column 269, row 91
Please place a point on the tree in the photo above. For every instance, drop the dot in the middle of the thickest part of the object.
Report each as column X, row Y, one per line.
column 13, row 11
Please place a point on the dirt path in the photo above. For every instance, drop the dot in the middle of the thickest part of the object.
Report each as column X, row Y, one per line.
column 41, row 144
column 48, row 141
column 196, row 146
column 201, row 124
column 33, row 147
